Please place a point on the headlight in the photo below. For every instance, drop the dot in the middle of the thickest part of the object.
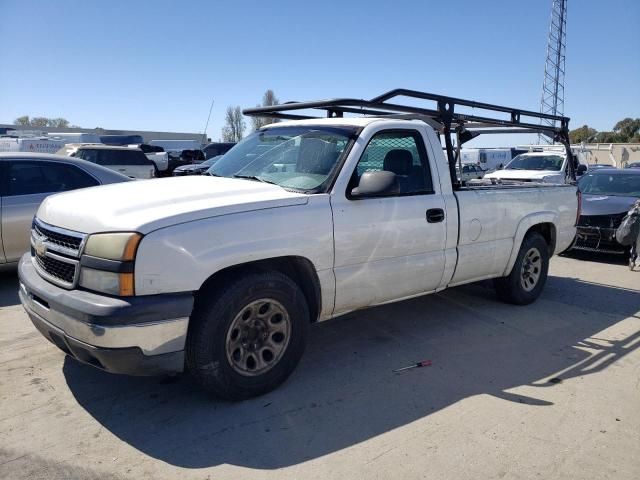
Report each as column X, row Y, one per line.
column 107, row 263
column 113, row 246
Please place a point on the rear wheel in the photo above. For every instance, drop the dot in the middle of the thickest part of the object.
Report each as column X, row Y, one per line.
column 246, row 339
column 529, row 274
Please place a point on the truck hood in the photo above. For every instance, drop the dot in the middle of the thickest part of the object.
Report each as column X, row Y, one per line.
column 148, row 205
column 528, row 174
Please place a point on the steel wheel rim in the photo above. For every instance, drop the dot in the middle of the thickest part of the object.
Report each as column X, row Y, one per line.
column 531, row 269
column 258, row 337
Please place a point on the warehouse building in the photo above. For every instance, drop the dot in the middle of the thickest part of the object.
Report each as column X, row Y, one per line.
column 8, row 129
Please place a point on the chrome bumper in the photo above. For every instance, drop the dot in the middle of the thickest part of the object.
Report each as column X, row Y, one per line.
column 121, row 335
column 153, row 338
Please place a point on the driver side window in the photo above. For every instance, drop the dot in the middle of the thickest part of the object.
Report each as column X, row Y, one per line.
column 401, row 152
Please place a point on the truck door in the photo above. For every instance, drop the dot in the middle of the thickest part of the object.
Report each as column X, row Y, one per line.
column 389, row 247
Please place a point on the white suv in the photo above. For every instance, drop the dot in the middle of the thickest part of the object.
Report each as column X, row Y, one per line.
column 130, row 162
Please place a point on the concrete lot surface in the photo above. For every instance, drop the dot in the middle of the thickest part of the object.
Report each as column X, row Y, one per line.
column 548, row 391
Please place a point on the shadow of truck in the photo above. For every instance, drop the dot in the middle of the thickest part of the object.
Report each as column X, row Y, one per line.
column 344, row 391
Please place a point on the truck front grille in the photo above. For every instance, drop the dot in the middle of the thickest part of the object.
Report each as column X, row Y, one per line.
column 57, row 268
column 64, row 241
column 56, row 252
column 602, row 221
column 61, row 239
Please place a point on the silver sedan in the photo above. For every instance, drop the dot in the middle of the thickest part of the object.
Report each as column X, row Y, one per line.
column 27, row 178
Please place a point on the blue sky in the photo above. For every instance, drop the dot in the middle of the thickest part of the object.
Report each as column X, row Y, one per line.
column 156, row 65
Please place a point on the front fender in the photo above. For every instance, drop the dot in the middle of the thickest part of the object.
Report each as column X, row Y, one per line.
column 182, row 257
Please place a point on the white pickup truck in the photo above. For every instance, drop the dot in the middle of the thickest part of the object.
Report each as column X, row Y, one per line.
column 302, row 221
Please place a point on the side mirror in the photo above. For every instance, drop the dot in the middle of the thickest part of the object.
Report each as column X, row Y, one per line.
column 376, row 183
column 581, row 170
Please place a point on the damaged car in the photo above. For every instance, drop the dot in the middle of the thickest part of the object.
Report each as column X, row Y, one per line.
column 607, row 196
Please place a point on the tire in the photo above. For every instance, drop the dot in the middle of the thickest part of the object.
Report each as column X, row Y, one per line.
column 233, row 330
column 529, row 273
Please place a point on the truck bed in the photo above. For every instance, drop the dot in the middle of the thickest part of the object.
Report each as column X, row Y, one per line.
column 493, row 220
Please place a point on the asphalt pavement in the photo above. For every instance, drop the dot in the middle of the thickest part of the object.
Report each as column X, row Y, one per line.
column 550, row 390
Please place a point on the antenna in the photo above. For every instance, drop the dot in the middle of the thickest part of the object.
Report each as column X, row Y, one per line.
column 552, row 101
column 204, row 134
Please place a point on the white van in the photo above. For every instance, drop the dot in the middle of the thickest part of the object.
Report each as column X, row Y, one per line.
column 30, row 144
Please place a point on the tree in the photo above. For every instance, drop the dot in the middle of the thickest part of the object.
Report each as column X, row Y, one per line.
column 608, row 137
column 24, row 120
column 627, row 128
column 233, row 131
column 58, row 122
column 269, row 98
column 582, row 134
column 41, row 122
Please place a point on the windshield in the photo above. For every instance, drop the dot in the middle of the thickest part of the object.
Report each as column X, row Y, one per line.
column 621, row 185
column 301, row 158
column 536, row 162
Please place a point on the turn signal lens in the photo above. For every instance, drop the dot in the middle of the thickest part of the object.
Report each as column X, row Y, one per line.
column 127, row 288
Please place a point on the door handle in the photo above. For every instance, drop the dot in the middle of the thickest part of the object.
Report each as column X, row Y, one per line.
column 435, row 215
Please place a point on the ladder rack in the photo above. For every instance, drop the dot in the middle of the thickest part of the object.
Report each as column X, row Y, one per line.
column 444, row 116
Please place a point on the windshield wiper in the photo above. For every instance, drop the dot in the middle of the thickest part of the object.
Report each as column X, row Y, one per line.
column 255, row 178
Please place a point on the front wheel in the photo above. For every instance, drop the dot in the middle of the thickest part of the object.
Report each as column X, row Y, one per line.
column 247, row 338
column 529, row 274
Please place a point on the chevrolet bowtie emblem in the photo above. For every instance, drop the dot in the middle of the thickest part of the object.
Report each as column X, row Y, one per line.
column 41, row 247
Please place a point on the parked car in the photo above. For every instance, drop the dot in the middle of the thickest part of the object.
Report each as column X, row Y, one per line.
column 195, row 168
column 221, row 275
column 633, row 165
column 26, row 179
column 157, row 155
column 130, row 162
column 469, row 172
column 489, row 159
column 70, row 149
column 545, row 166
column 218, row 148
column 607, row 196
column 192, row 156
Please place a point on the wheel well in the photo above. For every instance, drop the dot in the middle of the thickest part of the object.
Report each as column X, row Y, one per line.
column 548, row 231
column 298, row 269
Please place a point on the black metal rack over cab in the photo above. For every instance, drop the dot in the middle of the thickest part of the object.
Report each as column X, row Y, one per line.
column 447, row 118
